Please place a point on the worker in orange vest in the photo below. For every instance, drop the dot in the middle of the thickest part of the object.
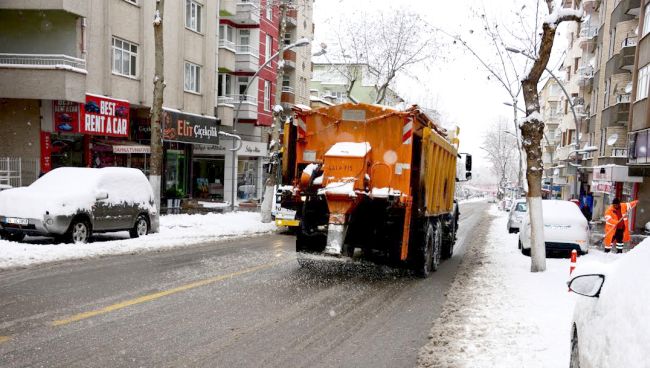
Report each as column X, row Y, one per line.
column 616, row 227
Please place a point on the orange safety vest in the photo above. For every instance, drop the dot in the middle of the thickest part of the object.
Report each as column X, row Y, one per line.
column 613, row 220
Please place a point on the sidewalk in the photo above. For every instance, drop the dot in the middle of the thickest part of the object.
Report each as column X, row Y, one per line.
column 499, row 314
column 175, row 231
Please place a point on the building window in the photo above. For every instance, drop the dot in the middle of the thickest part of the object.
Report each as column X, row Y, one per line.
column 125, row 57
column 646, row 20
column 606, row 95
column 286, row 40
column 612, row 42
column 224, row 88
column 226, row 36
column 267, row 95
column 193, row 15
column 192, row 77
column 269, row 10
column 603, row 141
column 642, row 83
column 242, row 82
column 268, row 47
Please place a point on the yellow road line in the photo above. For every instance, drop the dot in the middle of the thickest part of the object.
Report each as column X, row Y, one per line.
column 154, row 296
column 4, row 339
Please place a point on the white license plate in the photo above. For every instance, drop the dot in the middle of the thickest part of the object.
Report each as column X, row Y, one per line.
column 16, row 221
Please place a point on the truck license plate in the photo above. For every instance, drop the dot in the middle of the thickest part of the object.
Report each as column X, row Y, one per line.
column 16, row 221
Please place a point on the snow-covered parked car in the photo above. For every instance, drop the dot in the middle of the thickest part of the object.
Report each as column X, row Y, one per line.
column 565, row 228
column 71, row 203
column 611, row 323
column 517, row 213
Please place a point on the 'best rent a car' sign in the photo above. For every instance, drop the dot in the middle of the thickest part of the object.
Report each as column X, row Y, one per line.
column 105, row 116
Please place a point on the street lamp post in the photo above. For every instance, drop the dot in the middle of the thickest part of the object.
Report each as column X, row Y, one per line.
column 573, row 111
column 300, row 43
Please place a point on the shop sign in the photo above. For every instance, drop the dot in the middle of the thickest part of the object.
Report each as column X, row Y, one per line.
column 602, row 186
column 247, row 149
column 66, row 116
column 132, row 149
column 189, row 128
column 105, row 116
column 46, row 152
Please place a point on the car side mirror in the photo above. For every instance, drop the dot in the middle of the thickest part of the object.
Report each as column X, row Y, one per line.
column 468, row 162
column 101, row 195
column 587, row 285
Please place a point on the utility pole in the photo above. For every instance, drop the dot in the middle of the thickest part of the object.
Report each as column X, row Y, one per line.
column 274, row 144
column 155, row 171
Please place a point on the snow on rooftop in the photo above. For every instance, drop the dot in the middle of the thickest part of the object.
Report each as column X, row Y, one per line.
column 349, row 149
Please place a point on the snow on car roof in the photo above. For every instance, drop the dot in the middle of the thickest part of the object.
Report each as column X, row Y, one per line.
column 561, row 211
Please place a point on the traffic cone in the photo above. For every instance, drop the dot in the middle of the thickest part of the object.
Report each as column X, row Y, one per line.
column 574, row 257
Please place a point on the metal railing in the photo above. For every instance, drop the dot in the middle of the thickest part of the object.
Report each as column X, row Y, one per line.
column 227, row 44
column 234, row 99
column 246, row 49
column 629, row 42
column 42, row 60
column 619, row 152
column 17, row 171
column 589, row 32
column 287, row 89
column 623, row 98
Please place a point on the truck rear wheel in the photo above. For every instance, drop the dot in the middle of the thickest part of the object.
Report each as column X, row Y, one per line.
column 449, row 238
column 430, row 252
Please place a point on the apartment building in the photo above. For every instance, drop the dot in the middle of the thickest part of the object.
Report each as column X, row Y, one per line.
column 297, row 69
column 76, row 84
column 639, row 118
column 598, row 68
column 552, row 113
column 330, row 82
column 248, row 36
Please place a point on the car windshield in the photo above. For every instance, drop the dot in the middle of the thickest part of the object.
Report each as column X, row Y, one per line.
column 521, row 207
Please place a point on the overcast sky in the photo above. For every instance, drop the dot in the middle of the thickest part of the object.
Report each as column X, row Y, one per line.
column 458, row 87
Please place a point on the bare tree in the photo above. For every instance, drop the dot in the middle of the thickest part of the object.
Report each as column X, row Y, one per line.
column 155, row 170
column 500, row 146
column 532, row 129
column 381, row 47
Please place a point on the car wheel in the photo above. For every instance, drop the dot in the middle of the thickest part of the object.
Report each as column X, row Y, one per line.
column 525, row 252
column 16, row 237
column 141, row 227
column 575, row 352
column 79, row 232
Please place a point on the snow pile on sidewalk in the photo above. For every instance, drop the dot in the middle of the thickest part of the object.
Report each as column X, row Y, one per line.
column 473, row 200
column 499, row 314
column 175, row 231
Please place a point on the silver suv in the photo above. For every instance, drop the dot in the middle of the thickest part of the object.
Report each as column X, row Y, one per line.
column 71, row 204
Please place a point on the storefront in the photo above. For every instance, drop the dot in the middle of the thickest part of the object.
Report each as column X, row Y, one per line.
column 612, row 181
column 183, row 134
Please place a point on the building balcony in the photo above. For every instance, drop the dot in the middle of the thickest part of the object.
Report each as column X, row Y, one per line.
column 76, row 7
column 246, row 58
column 247, row 110
column 588, row 37
column 22, row 76
column 227, row 55
column 623, row 61
column 585, row 76
column 245, row 12
column 625, row 10
column 590, row 5
column 289, row 59
column 288, row 95
column 292, row 18
column 617, row 114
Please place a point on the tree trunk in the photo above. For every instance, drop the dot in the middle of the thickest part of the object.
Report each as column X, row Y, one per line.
column 532, row 132
column 155, row 170
column 272, row 180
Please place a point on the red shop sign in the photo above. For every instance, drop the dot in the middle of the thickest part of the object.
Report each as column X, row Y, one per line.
column 105, row 116
column 46, row 152
column 66, row 116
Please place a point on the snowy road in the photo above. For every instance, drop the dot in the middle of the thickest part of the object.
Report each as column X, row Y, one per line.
column 238, row 303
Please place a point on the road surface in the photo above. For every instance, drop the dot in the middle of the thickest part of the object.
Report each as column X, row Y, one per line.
column 240, row 303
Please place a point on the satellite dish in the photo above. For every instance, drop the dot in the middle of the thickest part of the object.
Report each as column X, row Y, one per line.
column 628, row 88
column 556, row 172
column 612, row 139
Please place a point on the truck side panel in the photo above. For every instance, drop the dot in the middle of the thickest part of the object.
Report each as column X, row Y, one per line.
column 440, row 177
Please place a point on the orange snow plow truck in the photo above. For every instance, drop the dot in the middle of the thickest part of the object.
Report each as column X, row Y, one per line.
column 370, row 177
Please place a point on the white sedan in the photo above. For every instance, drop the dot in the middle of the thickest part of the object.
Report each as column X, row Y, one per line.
column 565, row 228
column 517, row 213
column 611, row 323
